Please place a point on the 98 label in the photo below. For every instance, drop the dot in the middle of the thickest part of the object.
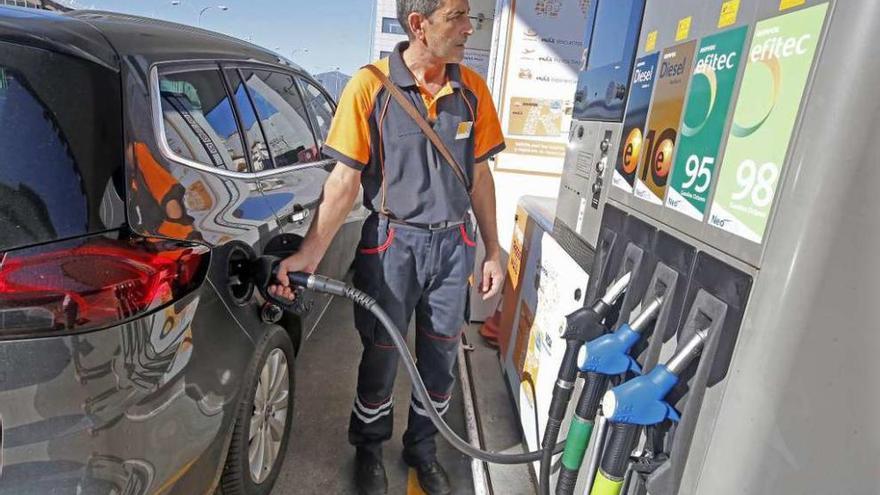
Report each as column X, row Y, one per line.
column 756, row 183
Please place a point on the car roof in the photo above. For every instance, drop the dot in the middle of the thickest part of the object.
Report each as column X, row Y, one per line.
column 108, row 37
column 56, row 32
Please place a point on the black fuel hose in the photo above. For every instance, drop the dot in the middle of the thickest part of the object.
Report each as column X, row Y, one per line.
column 595, row 385
column 327, row 285
column 621, row 442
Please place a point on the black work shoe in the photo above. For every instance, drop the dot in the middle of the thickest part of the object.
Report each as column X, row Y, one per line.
column 369, row 475
column 433, row 479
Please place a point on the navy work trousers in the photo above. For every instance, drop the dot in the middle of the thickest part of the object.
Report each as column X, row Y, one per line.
column 409, row 269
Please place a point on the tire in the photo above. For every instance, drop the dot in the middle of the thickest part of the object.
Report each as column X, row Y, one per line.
column 239, row 476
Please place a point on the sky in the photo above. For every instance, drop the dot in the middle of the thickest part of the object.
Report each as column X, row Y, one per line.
column 319, row 35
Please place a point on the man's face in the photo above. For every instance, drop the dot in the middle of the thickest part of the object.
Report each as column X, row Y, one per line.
column 447, row 30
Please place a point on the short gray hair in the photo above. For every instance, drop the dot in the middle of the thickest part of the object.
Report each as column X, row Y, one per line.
column 407, row 7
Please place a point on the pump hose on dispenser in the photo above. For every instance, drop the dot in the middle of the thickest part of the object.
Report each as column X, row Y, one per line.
column 599, row 360
column 264, row 271
column 580, row 431
column 582, row 325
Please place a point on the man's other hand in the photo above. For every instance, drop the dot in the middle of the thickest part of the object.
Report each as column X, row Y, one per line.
column 493, row 278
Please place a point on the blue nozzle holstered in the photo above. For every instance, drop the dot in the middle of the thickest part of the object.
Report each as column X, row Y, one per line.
column 640, row 401
column 609, row 353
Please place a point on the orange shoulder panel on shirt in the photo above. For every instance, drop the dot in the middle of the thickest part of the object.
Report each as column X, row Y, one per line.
column 488, row 138
column 349, row 135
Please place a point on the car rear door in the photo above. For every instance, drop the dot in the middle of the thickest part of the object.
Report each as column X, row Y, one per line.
column 294, row 191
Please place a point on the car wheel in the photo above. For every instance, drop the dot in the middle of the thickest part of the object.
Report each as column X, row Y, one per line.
column 262, row 426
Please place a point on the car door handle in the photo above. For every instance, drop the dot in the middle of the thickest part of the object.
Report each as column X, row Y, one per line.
column 271, row 184
column 299, row 214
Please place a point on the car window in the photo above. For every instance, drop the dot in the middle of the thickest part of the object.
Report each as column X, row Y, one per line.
column 199, row 120
column 61, row 146
column 254, row 139
column 283, row 117
column 321, row 108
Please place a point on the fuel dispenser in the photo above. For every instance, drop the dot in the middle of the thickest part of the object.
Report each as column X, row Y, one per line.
column 738, row 166
column 728, row 184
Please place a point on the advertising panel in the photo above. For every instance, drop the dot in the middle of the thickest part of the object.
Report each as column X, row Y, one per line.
column 478, row 60
column 544, row 53
column 563, row 284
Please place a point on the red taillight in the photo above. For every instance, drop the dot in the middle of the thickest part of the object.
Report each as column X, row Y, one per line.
column 94, row 282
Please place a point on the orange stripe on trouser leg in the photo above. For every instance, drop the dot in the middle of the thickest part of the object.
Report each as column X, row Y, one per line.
column 434, row 336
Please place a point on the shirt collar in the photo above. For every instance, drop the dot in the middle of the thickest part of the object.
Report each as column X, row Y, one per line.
column 401, row 75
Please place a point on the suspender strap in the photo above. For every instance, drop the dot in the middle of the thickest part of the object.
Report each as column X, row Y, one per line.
column 423, row 124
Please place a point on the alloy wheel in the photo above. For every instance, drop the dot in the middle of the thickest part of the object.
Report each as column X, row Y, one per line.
column 269, row 418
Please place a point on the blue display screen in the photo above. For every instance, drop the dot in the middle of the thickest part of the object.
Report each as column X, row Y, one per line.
column 612, row 38
column 610, row 33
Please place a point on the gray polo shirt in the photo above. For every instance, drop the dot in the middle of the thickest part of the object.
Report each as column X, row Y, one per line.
column 403, row 174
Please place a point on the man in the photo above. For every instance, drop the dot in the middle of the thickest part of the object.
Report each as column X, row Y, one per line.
column 416, row 253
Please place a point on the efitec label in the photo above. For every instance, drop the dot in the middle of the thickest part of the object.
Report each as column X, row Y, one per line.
column 705, row 116
column 779, row 62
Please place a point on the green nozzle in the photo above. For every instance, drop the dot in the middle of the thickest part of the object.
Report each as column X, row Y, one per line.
column 576, row 443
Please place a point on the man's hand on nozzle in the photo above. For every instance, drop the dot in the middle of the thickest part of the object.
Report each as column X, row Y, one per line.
column 297, row 262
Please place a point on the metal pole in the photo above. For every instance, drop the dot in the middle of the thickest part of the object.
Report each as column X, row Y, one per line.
column 199, row 20
column 478, row 469
column 596, row 448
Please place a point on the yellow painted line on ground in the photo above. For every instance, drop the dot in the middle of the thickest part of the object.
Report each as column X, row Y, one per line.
column 412, row 486
column 175, row 477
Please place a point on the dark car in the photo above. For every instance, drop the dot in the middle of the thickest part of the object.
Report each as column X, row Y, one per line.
column 143, row 165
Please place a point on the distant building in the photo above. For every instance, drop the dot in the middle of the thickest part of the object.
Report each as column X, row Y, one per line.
column 387, row 32
column 36, row 4
column 334, row 82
